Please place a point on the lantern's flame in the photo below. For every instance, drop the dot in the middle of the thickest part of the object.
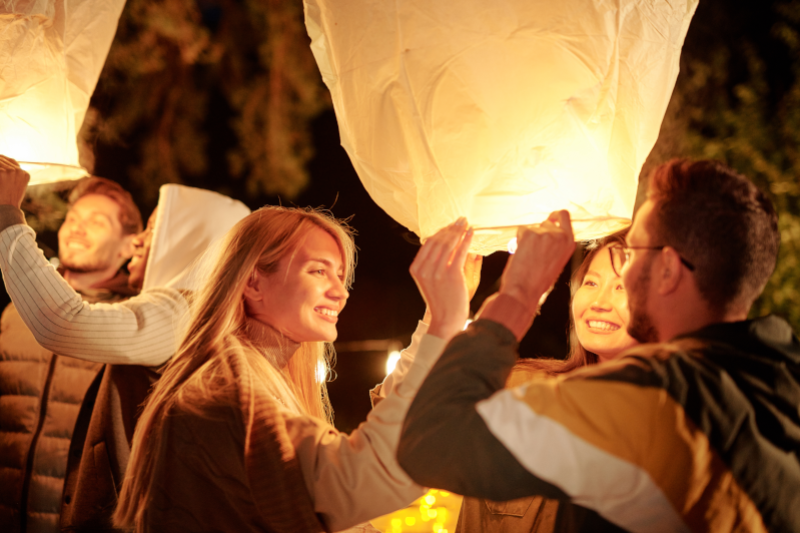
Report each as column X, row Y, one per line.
column 512, row 246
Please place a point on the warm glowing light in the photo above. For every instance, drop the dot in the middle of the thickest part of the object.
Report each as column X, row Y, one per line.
column 51, row 52
column 391, row 361
column 430, row 499
column 512, row 246
column 322, row 372
column 499, row 110
column 421, row 518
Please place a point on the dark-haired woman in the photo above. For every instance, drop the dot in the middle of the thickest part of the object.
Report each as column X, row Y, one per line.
column 598, row 319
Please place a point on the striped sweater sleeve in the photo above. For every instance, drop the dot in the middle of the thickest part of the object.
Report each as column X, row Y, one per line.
column 144, row 330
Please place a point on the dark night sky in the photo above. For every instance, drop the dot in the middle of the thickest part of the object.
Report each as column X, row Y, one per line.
column 385, row 303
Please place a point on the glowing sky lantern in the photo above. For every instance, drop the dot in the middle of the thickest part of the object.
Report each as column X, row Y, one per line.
column 51, row 55
column 499, row 110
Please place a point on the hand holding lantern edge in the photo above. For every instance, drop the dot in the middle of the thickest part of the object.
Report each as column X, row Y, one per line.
column 13, row 182
column 439, row 272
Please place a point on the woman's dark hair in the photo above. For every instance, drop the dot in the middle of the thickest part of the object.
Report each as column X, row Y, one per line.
column 578, row 355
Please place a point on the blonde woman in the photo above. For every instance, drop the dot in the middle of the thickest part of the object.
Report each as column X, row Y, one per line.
column 236, row 434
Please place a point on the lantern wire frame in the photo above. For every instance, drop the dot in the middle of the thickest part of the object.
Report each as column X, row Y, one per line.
column 499, row 237
column 52, row 172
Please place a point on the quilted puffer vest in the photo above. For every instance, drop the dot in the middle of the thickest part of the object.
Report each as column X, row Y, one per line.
column 40, row 398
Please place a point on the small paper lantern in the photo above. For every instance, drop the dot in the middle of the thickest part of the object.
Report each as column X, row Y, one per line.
column 499, row 110
column 51, row 55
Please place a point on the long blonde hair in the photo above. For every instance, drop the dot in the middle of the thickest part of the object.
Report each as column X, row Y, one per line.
column 219, row 325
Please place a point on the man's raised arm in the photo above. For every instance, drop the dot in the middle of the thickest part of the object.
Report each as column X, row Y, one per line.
column 445, row 441
column 143, row 330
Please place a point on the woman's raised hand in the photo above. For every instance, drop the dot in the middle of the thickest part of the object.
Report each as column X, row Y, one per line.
column 438, row 271
column 472, row 273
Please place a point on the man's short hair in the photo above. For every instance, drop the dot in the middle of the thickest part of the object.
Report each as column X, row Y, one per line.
column 720, row 222
column 129, row 216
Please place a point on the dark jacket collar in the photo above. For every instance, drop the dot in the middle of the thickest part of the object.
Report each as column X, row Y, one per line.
column 769, row 334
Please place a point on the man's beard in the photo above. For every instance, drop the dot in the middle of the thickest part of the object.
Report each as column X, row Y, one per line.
column 640, row 326
column 83, row 266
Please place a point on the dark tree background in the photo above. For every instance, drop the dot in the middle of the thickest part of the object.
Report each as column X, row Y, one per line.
column 225, row 95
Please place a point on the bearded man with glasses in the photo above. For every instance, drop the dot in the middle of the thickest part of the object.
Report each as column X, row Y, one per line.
column 697, row 431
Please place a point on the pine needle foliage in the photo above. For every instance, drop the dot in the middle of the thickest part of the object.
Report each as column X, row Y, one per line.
column 738, row 100
column 171, row 59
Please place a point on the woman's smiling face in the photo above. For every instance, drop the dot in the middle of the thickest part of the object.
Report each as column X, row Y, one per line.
column 600, row 310
column 303, row 298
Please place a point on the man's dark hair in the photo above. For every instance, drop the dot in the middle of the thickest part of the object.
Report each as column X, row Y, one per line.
column 720, row 222
column 129, row 216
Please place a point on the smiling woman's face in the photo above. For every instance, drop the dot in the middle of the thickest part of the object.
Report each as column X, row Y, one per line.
column 303, row 298
column 600, row 310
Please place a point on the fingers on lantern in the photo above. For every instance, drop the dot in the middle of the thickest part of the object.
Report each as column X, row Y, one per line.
column 500, row 110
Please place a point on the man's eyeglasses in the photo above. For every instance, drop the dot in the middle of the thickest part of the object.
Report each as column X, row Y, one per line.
column 621, row 254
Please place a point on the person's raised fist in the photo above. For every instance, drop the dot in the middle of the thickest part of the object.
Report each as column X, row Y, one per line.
column 13, row 182
column 542, row 252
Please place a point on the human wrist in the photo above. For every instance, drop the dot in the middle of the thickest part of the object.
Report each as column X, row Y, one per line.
column 509, row 311
column 529, row 297
column 445, row 329
column 10, row 216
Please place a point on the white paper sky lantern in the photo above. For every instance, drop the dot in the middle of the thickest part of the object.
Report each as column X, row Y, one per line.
column 51, row 55
column 499, row 110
